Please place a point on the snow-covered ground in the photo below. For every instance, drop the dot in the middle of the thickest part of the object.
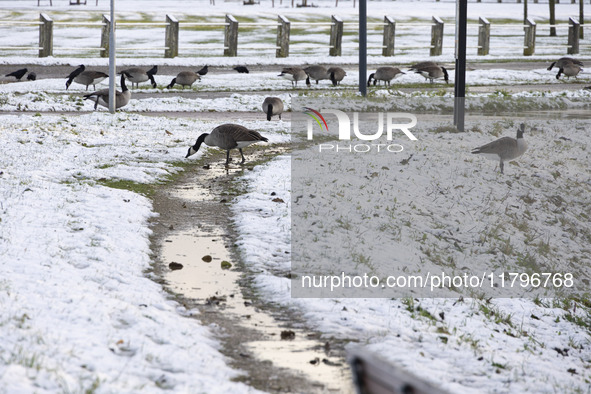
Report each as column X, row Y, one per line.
column 464, row 345
column 309, row 43
column 49, row 95
column 78, row 313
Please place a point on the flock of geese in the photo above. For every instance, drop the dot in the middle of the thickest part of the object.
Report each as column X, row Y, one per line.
column 233, row 136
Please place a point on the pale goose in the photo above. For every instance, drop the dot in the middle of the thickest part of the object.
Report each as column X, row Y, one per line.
column 102, row 96
column 18, row 74
column 136, row 75
column 294, row 74
column 505, row 148
column 184, row 78
column 563, row 61
column 385, row 74
column 273, row 106
column 85, row 78
column 227, row 136
column 569, row 69
column 317, row 73
column 433, row 72
column 337, row 74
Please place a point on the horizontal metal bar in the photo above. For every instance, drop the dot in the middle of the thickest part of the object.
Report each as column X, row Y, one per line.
column 312, row 23
column 369, row 46
column 80, row 48
column 156, row 24
column 204, row 47
column 197, row 24
column 21, row 48
column 508, row 47
column 310, row 46
column 21, row 23
column 553, row 46
column 411, row 25
column 414, row 46
column 140, row 48
column 261, row 48
column 79, row 23
column 249, row 24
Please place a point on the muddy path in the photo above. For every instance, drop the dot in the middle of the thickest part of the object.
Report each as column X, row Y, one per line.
column 272, row 347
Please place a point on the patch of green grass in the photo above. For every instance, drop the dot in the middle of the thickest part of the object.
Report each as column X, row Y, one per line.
column 144, row 189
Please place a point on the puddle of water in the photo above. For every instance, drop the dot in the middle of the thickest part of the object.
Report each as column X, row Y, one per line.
column 200, row 280
column 306, row 357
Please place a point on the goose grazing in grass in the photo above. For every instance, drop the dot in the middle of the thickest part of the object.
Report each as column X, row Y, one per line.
column 227, row 136
column 273, row 106
column 569, row 69
column 136, row 75
column 560, row 63
column 184, row 78
column 504, row 149
column 294, row 74
column 336, row 74
column 433, row 72
column 420, row 65
column 18, row 74
column 102, row 96
column 317, row 73
column 86, row 78
column 385, row 74
column 204, row 70
column 241, row 69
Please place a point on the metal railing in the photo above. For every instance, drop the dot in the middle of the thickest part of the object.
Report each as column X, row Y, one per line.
column 283, row 27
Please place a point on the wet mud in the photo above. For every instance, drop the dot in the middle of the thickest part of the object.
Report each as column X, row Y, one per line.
column 271, row 346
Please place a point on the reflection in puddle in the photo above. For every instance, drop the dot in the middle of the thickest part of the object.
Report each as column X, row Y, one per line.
column 206, row 281
column 199, row 279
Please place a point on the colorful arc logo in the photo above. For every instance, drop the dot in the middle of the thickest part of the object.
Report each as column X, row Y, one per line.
column 317, row 117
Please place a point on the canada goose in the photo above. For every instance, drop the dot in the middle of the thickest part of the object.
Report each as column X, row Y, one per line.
column 136, row 75
column 102, row 96
column 316, row 73
column 86, row 78
column 433, row 72
column 563, row 61
column 385, row 74
column 569, row 69
column 203, row 70
column 184, row 78
column 505, row 148
column 336, row 75
column 228, row 136
column 32, row 76
column 18, row 74
column 420, row 65
column 241, row 69
column 294, row 74
column 273, row 106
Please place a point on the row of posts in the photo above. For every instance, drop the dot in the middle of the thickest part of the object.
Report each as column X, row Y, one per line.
column 336, row 36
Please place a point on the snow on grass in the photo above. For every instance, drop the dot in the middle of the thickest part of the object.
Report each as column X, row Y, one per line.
column 412, row 42
column 77, row 310
column 538, row 209
column 50, row 94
